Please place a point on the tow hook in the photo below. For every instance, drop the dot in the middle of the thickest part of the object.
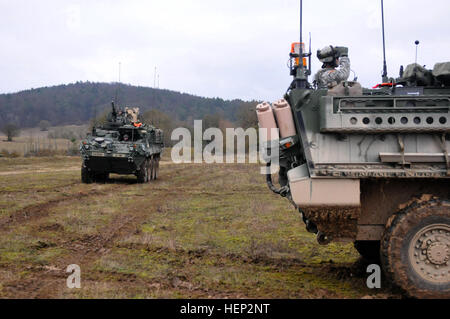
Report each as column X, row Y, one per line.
column 284, row 191
column 323, row 239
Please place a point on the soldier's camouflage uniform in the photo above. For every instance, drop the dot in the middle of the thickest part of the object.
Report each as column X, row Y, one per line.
column 329, row 78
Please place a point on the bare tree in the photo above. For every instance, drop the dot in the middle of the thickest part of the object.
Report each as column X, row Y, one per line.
column 44, row 125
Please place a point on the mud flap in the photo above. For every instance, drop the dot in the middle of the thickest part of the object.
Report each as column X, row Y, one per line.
column 334, row 205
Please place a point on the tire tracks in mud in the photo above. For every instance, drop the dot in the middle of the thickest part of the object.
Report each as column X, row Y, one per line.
column 39, row 171
column 37, row 211
column 53, row 170
column 183, row 283
column 85, row 251
column 24, row 191
column 89, row 248
column 50, row 281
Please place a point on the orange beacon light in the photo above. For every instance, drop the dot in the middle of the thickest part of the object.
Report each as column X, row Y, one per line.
column 295, row 50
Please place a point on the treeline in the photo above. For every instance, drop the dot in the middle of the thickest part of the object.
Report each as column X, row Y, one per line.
column 80, row 102
column 246, row 118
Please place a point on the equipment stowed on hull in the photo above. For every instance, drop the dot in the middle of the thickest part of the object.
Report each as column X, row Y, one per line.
column 284, row 118
column 372, row 166
column 266, row 119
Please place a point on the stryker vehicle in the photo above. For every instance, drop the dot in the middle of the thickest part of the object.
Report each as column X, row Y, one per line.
column 371, row 166
column 122, row 145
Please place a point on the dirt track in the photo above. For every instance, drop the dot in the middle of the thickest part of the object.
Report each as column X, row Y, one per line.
column 201, row 231
column 50, row 170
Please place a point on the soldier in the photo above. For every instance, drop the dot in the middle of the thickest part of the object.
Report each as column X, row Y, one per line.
column 332, row 57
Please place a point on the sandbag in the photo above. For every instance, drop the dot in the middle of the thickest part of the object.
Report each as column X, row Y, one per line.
column 418, row 75
column 442, row 72
column 346, row 89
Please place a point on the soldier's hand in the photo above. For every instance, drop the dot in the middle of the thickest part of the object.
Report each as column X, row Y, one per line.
column 341, row 51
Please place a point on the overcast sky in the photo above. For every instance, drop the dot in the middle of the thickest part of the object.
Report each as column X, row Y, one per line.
column 228, row 48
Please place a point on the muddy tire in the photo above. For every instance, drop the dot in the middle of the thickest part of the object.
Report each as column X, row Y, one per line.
column 142, row 175
column 151, row 171
column 86, row 176
column 156, row 168
column 369, row 250
column 415, row 249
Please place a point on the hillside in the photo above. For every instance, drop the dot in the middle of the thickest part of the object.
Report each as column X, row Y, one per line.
column 78, row 103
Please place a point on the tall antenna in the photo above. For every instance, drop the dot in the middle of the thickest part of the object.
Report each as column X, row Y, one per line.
column 154, row 79
column 417, row 47
column 301, row 32
column 310, row 55
column 384, row 75
column 301, row 80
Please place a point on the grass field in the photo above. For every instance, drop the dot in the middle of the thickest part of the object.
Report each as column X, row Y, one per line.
column 33, row 140
column 200, row 231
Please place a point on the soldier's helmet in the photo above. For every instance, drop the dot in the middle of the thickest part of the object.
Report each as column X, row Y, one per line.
column 327, row 54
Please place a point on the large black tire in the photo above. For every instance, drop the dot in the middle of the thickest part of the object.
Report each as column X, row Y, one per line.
column 151, row 171
column 155, row 167
column 101, row 177
column 415, row 249
column 86, row 176
column 369, row 250
column 142, row 175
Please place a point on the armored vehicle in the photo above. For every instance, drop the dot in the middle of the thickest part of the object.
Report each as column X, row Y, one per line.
column 371, row 166
column 122, row 145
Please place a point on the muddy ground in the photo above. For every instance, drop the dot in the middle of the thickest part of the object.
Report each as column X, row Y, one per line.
column 200, row 231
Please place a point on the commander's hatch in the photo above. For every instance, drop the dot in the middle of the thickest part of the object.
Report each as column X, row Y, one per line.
column 134, row 134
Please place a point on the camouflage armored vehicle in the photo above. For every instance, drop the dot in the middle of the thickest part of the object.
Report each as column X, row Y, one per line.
column 122, row 145
column 371, row 166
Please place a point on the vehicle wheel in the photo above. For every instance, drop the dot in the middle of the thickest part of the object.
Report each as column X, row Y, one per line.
column 150, row 169
column 142, row 175
column 86, row 176
column 369, row 250
column 101, row 177
column 415, row 250
column 156, row 168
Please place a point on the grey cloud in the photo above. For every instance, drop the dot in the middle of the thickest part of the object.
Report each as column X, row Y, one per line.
column 230, row 49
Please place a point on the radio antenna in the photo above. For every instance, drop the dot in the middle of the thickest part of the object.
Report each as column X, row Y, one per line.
column 301, row 31
column 385, row 73
column 417, row 47
column 300, row 80
column 310, row 54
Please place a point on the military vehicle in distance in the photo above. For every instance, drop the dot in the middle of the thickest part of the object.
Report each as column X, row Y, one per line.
column 371, row 166
column 122, row 145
